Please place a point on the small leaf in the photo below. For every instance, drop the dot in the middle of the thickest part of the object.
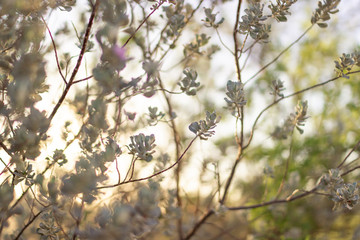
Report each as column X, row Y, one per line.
column 194, row 127
column 322, row 25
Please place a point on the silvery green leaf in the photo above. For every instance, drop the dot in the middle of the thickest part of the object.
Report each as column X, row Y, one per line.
column 142, row 146
column 203, row 128
column 194, row 127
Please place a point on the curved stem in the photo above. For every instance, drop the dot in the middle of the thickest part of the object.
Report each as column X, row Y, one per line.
column 29, row 223
column 350, row 170
column 81, row 55
column 289, row 199
column 236, row 46
column 177, row 147
column 155, row 174
column 222, row 42
column 279, row 55
column 231, row 176
column 178, row 36
column 288, row 96
column 241, row 140
column 142, row 23
column 84, row 79
column 286, row 168
column 5, row 148
column 55, row 51
column 238, row 158
column 199, row 224
column 348, row 155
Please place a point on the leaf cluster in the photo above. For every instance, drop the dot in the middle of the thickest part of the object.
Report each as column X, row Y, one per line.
column 281, row 9
column 343, row 194
column 203, row 128
column 142, row 146
column 322, row 13
column 188, row 84
column 295, row 120
column 252, row 23
column 195, row 46
column 210, row 19
column 277, row 88
column 154, row 116
column 235, row 96
column 346, row 62
column 47, row 228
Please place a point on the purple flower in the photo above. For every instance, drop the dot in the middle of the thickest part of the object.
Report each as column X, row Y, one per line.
column 117, row 57
column 119, row 52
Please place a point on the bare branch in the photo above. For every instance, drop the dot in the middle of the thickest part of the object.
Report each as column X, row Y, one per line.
column 81, row 55
column 29, row 223
column 199, row 224
column 348, row 155
column 279, row 55
column 288, row 96
column 155, row 174
column 84, row 79
column 236, row 47
column 5, row 148
column 286, row 168
column 289, row 199
column 142, row 23
column 178, row 36
column 350, row 170
column 55, row 51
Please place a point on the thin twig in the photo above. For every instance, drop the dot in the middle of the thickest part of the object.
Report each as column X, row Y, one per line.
column 61, row 228
column 117, row 170
column 155, row 174
column 246, row 59
column 119, row 115
column 177, row 149
column 10, row 47
column 231, row 176
column 68, row 143
column 289, row 199
column 288, row 96
column 84, row 79
column 29, row 223
column 238, row 158
column 243, row 45
column 221, row 41
column 55, row 51
column 7, row 166
column 240, row 144
column 35, row 198
column 199, row 224
column 178, row 36
column 128, row 171
column 132, row 170
column 286, row 168
column 10, row 124
column 250, row 47
column 77, row 66
column 142, row 23
column 28, row 188
column 350, row 170
column 236, row 47
column 279, row 55
column 162, row 33
column 348, row 155
column 159, row 42
column 5, row 148
column 78, row 219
